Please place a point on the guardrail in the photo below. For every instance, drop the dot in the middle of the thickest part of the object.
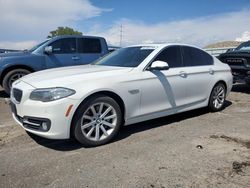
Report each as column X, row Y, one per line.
column 218, row 51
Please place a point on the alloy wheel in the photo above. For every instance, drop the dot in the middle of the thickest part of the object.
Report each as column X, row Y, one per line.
column 218, row 96
column 99, row 121
column 15, row 77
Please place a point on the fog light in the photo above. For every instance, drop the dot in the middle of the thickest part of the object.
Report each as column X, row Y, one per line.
column 25, row 119
column 44, row 126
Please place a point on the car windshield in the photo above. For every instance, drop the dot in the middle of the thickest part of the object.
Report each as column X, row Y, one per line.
column 244, row 47
column 37, row 46
column 125, row 57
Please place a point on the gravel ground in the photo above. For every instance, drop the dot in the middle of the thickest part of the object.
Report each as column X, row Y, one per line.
column 193, row 149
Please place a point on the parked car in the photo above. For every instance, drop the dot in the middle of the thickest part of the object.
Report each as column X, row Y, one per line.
column 56, row 52
column 8, row 51
column 130, row 85
column 239, row 61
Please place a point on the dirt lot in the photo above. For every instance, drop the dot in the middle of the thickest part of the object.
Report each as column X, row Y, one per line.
column 194, row 149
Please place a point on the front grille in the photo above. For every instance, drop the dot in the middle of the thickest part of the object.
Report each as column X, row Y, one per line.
column 247, row 62
column 17, row 94
column 235, row 61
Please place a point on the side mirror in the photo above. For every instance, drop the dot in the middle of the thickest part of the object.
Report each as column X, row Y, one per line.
column 159, row 65
column 48, row 50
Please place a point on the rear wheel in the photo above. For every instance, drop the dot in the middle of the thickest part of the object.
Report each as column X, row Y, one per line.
column 11, row 77
column 217, row 97
column 97, row 121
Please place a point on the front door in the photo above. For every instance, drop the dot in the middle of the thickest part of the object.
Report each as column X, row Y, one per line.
column 164, row 90
column 64, row 53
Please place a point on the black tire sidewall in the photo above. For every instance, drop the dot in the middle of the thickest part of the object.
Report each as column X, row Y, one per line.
column 76, row 123
column 8, row 76
column 211, row 105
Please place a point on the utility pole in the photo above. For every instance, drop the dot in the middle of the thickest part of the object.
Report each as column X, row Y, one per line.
column 121, row 36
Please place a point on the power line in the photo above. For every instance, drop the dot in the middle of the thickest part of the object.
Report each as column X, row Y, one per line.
column 121, row 35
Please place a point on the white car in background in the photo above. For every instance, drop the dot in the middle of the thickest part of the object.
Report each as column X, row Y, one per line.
column 130, row 85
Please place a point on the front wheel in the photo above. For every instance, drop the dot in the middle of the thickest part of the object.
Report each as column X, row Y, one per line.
column 217, row 97
column 11, row 77
column 97, row 121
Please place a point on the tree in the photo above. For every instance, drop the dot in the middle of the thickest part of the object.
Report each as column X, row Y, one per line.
column 63, row 31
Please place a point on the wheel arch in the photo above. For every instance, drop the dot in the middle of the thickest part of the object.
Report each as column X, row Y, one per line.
column 210, row 99
column 13, row 67
column 223, row 82
column 219, row 81
column 110, row 94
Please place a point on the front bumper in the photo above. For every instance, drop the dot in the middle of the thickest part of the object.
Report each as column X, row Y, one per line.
column 31, row 114
column 241, row 75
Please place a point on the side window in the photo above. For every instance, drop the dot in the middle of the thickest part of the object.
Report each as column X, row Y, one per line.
column 64, row 46
column 89, row 46
column 196, row 57
column 171, row 55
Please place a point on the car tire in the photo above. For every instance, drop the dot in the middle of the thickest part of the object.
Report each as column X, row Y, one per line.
column 97, row 121
column 217, row 98
column 12, row 76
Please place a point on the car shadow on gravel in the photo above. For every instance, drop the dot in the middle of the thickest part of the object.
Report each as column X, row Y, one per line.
column 59, row 145
column 241, row 88
column 164, row 121
column 69, row 145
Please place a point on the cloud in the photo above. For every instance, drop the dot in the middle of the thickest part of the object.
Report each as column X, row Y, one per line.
column 199, row 31
column 244, row 37
column 23, row 22
column 33, row 19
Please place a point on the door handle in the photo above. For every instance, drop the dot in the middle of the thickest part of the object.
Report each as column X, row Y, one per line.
column 183, row 74
column 75, row 58
column 211, row 71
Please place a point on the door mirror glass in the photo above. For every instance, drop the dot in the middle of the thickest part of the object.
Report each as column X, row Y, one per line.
column 48, row 50
column 159, row 65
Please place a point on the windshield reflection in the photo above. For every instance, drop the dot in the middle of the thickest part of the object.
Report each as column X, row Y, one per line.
column 37, row 46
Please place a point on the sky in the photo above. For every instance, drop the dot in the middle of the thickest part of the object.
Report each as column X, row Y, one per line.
column 23, row 23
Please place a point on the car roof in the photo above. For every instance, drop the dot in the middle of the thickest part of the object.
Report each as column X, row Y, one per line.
column 76, row 36
column 163, row 45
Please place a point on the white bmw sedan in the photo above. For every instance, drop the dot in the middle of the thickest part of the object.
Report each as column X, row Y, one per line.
column 130, row 85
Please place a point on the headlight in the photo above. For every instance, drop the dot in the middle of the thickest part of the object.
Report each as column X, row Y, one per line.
column 50, row 94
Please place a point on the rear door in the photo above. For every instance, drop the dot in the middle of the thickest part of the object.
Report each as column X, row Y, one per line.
column 90, row 49
column 64, row 53
column 200, row 73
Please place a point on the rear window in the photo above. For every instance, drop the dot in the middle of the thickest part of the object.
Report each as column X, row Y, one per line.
column 89, row 46
column 196, row 57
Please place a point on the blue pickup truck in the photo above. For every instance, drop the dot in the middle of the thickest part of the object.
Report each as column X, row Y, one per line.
column 55, row 52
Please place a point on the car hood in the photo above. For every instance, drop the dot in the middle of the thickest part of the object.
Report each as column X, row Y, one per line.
column 68, row 76
column 235, row 54
column 15, row 54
